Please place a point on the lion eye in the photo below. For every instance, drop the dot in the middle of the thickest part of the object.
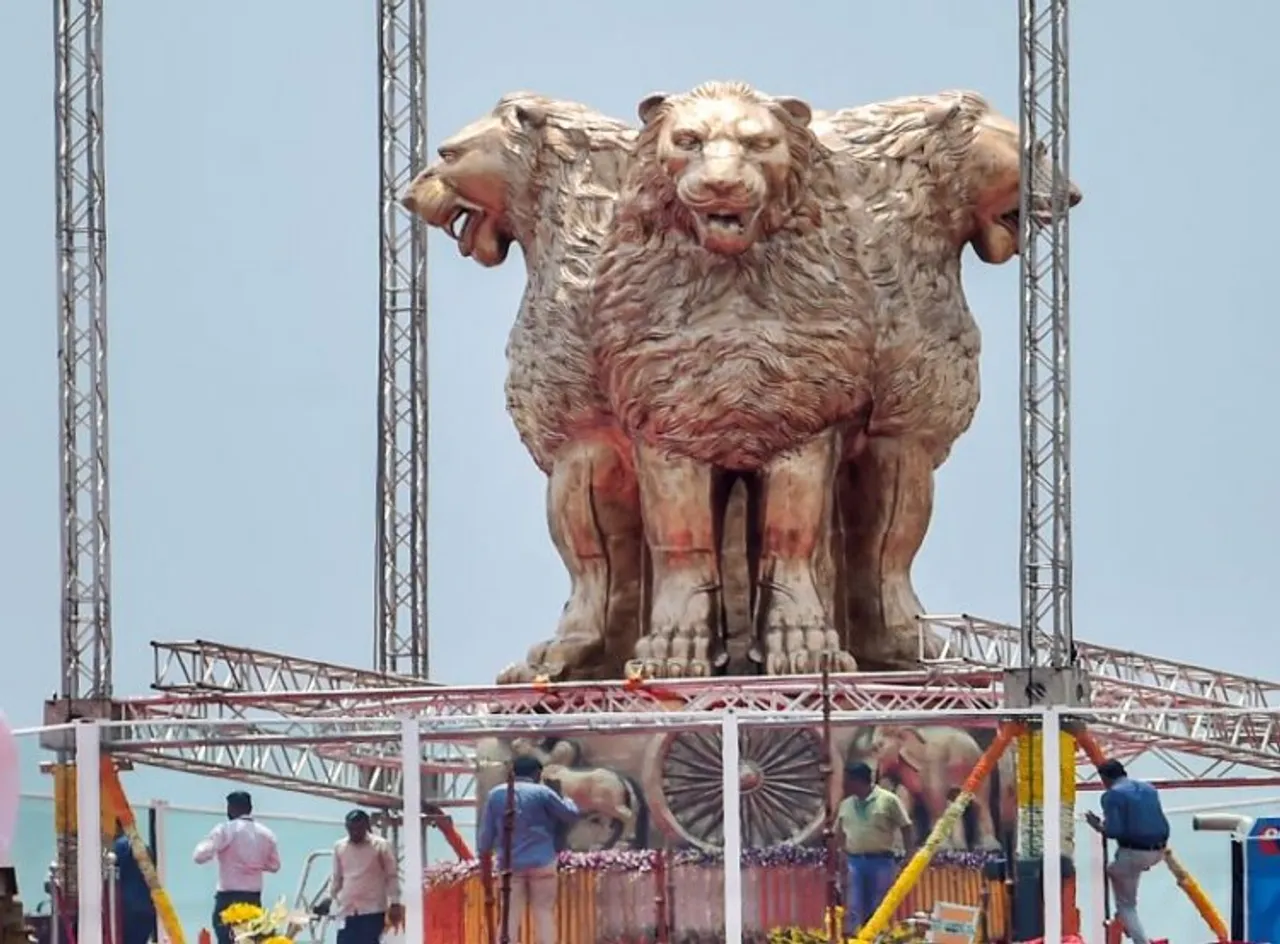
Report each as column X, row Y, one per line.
column 686, row 141
column 762, row 144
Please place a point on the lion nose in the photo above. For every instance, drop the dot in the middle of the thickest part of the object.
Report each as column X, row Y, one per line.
column 728, row 188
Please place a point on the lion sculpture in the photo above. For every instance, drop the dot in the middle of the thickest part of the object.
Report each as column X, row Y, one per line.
column 544, row 173
column 929, row 175
column 780, row 299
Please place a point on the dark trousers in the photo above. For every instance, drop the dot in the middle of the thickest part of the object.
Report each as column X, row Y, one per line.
column 139, row 926
column 220, row 901
column 362, row 929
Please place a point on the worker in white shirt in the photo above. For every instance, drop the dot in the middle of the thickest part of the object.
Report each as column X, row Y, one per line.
column 245, row 849
column 364, row 892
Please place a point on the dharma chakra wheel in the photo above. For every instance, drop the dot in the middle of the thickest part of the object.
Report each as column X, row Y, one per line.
column 781, row 783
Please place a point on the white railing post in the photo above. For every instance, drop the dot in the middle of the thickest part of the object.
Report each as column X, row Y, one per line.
column 731, row 767
column 411, row 831
column 1051, row 741
column 89, row 831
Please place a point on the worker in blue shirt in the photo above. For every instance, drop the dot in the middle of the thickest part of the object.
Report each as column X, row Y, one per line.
column 1134, row 820
column 540, row 814
column 137, row 911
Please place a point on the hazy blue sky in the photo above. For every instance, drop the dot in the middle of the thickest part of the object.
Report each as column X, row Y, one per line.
column 242, row 159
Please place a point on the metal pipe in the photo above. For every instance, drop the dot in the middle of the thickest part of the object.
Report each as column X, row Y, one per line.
column 88, row 783
column 412, row 837
column 1222, row 823
column 1051, row 759
column 55, row 904
column 731, row 783
column 829, row 817
column 114, row 916
column 486, row 881
column 1237, row 889
column 1239, row 826
column 661, row 924
column 1106, row 884
column 508, row 836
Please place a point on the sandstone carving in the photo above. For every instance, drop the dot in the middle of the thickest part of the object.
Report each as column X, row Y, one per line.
column 544, row 173
column 780, row 298
column 731, row 338
column 777, row 356
column 926, row 176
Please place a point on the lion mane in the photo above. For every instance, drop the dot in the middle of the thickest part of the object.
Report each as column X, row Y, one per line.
column 566, row 164
column 908, row 164
column 730, row 360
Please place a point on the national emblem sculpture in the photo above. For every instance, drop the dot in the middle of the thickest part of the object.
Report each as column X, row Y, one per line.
column 767, row 352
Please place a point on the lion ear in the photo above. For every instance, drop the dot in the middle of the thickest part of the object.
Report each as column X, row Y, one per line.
column 650, row 106
column 531, row 117
column 797, row 108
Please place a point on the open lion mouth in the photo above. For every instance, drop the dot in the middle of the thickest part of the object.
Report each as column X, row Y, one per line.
column 724, row 230
column 478, row 234
column 734, row 223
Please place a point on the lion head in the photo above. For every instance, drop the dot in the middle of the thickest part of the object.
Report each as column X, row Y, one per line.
column 994, row 171
column 485, row 188
column 724, row 164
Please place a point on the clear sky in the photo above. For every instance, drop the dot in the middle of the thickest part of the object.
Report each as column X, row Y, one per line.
column 242, row 160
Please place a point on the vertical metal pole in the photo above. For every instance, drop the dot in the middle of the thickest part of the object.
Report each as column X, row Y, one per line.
column 1045, row 302
column 114, row 912
column 81, row 229
column 831, row 862
column 412, row 834
column 510, row 923
column 56, row 905
column 732, row 783
column 1051, row 741
column 89, row 831
column 401, row 640
column 158, row 820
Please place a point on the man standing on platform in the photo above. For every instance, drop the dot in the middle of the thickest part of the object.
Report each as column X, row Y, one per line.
column 875, row 830
column 540, row 814
column 1134, row 820
column 245, row 849
column 365, row 884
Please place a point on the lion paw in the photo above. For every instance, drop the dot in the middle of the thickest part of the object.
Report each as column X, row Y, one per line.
column 804, row 651
column 679, row 643
column 668, row 668
column 546, row 662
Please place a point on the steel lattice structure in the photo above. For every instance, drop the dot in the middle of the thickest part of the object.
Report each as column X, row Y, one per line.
column 82, row 355
column 313, row 727
column 400, row 640
column 1045, row 304
column 1203, row 724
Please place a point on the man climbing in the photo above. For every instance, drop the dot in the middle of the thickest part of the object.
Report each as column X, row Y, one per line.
column 1134, row 820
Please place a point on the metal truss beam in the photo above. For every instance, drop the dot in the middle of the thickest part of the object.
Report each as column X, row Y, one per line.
column 980, row 642
column 82, row 314
column 313, row 727
column 210, row 667
column 401, row 640
column 1046, row 428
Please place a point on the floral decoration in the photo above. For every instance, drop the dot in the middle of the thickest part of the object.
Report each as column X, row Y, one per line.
column 252, row 924
column 644, row 860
